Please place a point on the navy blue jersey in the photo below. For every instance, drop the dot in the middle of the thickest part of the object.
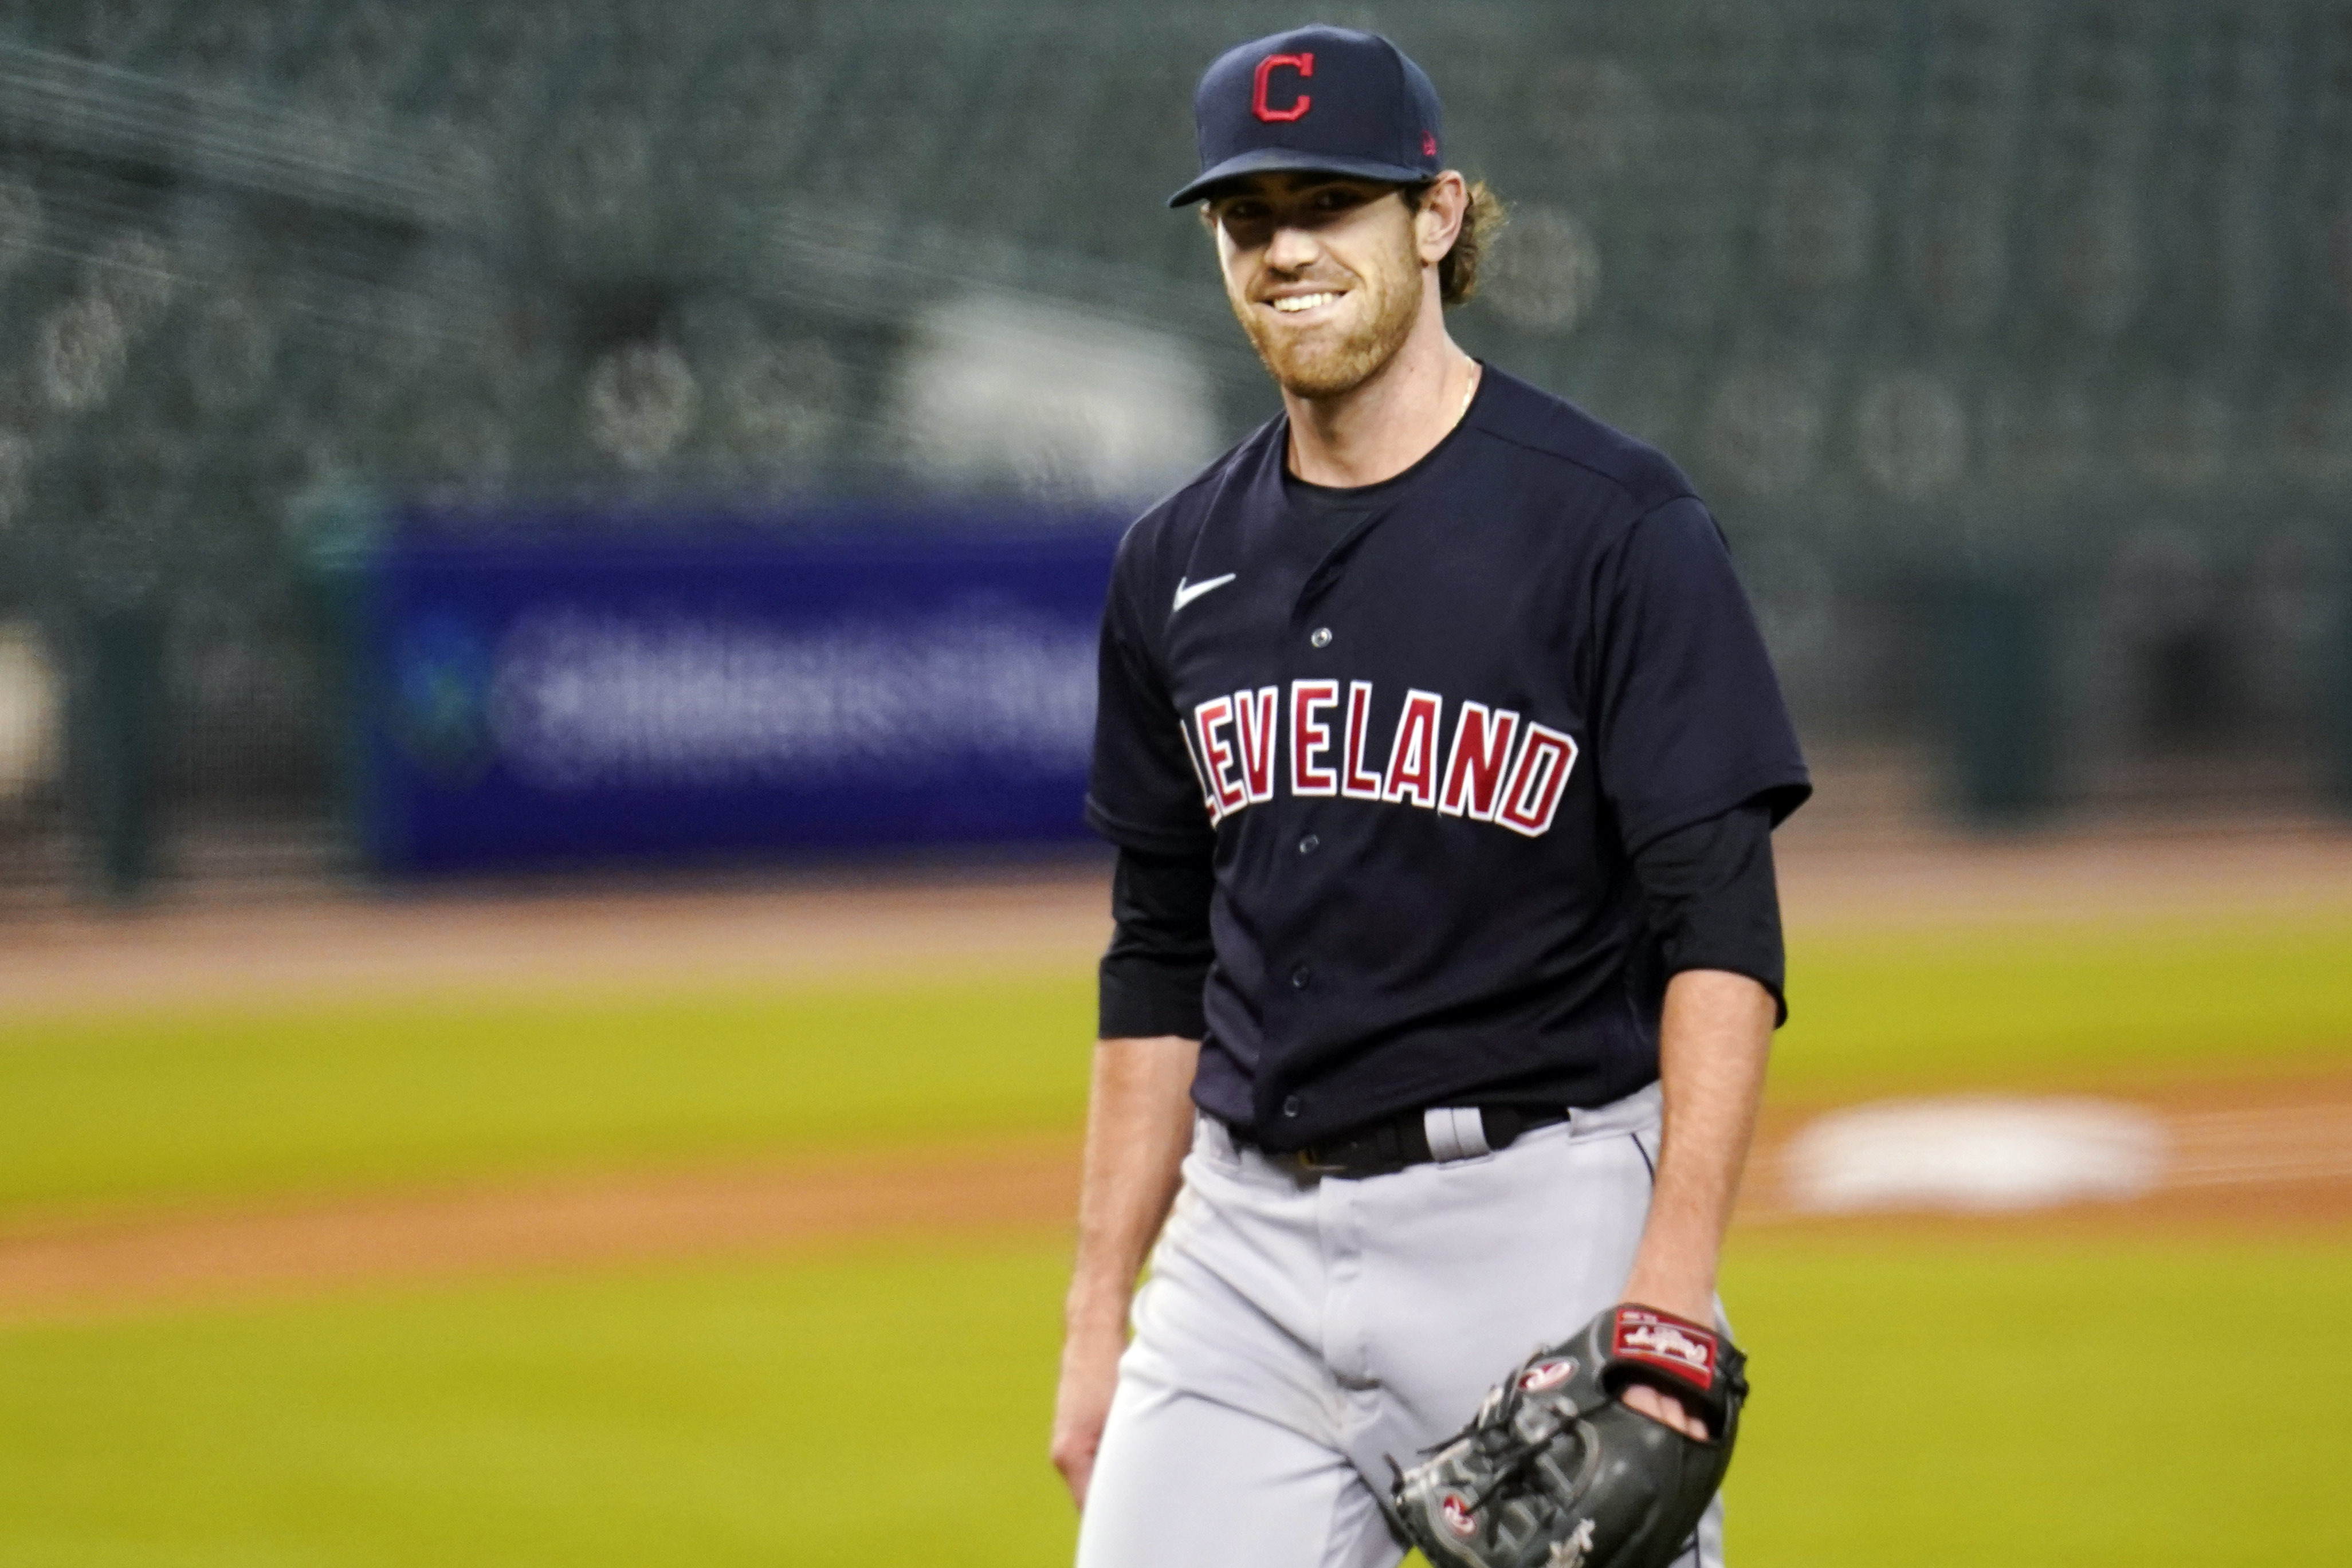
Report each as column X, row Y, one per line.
column 1421, row 726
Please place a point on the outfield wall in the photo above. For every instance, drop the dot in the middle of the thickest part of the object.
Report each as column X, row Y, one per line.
column 597, row 692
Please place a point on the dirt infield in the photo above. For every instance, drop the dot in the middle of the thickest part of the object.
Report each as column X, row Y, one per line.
column 1044, row 915
column 2272, row 1156
column 299, row 1250
column 572, row 940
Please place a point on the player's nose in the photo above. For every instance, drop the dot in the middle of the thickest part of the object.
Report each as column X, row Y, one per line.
column 1293, row 248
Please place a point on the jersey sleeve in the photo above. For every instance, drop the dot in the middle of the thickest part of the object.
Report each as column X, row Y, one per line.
column 1690, row 719
column 1142, row 791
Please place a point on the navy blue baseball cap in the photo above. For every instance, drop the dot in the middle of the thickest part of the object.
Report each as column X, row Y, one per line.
column 1324, row 100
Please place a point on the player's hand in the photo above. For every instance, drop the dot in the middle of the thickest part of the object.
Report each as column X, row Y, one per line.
column 1082, row 1404
column 1665, row 1409
column 1656, row 1403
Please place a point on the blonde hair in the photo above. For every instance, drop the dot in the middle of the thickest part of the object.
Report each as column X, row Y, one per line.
column 1482, row 219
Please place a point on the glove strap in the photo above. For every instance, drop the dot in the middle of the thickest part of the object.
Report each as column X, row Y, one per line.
column 1673, row 1354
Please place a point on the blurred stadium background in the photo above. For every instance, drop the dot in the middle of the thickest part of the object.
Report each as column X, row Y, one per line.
column 2008, row 338
column 348, row 1221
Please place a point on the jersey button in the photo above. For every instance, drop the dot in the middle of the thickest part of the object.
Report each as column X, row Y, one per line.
column 1301, row 978
column 1320, row 637
column 1309, row 844
column 1290, row 1104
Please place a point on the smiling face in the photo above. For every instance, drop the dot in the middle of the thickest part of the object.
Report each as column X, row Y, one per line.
column 1327, row 275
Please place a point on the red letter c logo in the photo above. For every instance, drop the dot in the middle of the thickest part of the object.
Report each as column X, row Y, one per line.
column 1304, row 64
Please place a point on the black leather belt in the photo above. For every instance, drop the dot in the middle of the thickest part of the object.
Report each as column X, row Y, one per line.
column 1386, row 1147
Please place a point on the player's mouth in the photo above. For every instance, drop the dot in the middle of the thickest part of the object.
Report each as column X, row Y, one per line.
column 1298, row 303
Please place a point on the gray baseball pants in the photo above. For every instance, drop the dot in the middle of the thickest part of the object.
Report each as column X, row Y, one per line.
column 1295, row 1331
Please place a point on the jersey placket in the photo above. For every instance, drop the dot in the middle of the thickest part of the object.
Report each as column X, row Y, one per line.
column 1310, row 656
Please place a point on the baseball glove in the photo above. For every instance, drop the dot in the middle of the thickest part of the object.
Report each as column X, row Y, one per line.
column 1554, row 1472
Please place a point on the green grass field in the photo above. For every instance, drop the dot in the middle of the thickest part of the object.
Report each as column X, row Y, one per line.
column 1919, row 1402
column 1914, row 1405
column 169, row 1106
column 165, row 1107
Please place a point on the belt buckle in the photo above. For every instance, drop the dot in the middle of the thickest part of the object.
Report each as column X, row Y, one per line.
column 1308, row 1162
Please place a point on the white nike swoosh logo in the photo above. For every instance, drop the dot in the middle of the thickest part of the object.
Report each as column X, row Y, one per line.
column 1185, row 595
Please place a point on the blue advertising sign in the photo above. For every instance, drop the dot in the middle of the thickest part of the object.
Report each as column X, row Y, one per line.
column 872, row 681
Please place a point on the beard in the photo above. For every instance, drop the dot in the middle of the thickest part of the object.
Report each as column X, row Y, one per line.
column 1328, row 359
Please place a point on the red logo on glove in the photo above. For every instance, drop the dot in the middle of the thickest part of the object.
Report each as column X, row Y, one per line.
column 1546, row 1374
column 1454, row 1508
column 1672, row 1345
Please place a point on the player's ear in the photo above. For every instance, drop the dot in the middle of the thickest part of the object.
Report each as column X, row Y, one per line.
column 1438, row 221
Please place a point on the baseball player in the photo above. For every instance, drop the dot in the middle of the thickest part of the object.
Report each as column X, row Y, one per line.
column 1442, row 755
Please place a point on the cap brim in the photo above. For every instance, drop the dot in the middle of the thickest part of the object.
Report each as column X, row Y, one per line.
column 1292, row 161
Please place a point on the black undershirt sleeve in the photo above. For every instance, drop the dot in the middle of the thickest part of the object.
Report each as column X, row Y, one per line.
column 1712, row 901
column 1159, row 956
